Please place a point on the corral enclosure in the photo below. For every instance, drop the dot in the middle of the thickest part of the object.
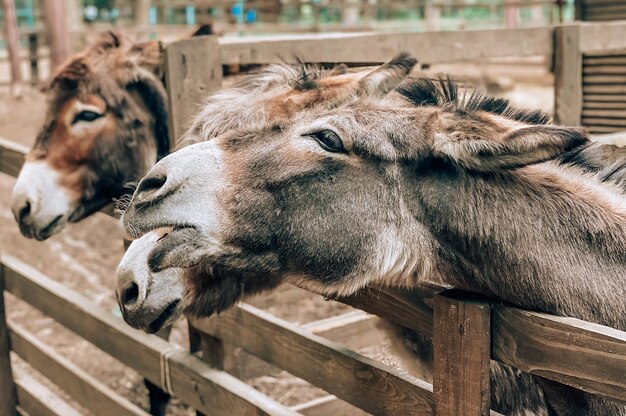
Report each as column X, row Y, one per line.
column 370, row 385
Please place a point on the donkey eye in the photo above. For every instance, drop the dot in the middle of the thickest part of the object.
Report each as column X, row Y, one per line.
column 329, row 140
column 86, row 116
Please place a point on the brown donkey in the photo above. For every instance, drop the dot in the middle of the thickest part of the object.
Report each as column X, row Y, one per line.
column 424, row 183
column 106, row 125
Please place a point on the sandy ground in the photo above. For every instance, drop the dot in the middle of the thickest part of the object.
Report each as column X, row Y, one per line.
column 84, row 258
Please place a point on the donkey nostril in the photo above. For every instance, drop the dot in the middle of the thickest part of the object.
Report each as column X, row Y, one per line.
column 23, row 212
column 151, row 183
column 129, row 293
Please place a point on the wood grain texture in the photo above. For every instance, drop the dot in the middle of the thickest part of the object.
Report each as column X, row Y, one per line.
column 604, row 129
column 38, row 400
column 603, row 121
column 363, row 382
column 11, row 157
column 580, row 354
column 193, row 71
column 604, row 38
column 568, row 97
column 607, row 113
column 604, row 79
column 11, row 40
column 605, row 89
column 591, row 105
column 8, row 393
column 428, row 47
column 591, row 62
column 604, row 98
column 461, row 355
column 86, row 390
column 212, row 391
column 408, row 308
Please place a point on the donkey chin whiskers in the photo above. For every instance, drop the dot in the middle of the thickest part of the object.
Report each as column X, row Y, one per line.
column 123, row 203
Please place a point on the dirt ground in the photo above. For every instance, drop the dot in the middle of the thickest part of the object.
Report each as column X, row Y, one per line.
column 84, row 258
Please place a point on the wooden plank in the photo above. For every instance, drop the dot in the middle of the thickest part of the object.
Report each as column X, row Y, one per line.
column 604, row 98
column 461, row 355
column 619, row 70
column 38, row 400
column 58, row 34
column 328, row 405
column 427, row 47
column 11, row 156
column 606, row 14
column 603, row 129
column 580, row 354
column 83, row 388
column 353, row 330
column 609, row 113
column 408, row 308
column 605, row 89
column 594, row 3
column 8, row 394
column 604, row 61
column 602, row 38
column 363, row 382
column 212, row 391
column 604, row 79
column 593, row 105
column 616, row 8
column 568, row 96
column 597, row 121
column 11, row 42
column 193, row 71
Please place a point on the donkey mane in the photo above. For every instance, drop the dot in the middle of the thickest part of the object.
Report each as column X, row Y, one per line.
column 444, row 92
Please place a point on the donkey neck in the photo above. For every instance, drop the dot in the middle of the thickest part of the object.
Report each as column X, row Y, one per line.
column 542, row 237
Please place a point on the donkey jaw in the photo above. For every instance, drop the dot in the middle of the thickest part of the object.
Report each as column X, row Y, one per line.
column 41, row 204
column 148, row 301
column 183, row 247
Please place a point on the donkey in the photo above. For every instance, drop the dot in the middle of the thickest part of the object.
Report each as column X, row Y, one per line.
column 106, row 125
column 421, row 184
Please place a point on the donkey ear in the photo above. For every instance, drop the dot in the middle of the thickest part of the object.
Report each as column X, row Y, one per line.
column 386, row 77
column 521, row 147
column 147, row 55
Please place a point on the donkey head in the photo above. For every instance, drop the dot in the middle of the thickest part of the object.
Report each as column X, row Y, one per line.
column 105, row 126
column 271, row 97
column 332, row 198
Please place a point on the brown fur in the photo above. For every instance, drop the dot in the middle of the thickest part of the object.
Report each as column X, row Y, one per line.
column 420, row 191
column 97, row 159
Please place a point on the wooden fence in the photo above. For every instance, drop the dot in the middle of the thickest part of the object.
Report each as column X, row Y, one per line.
column 583, row 355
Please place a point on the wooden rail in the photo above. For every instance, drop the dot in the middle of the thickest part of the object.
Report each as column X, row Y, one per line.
column 428, row 47
column 211, row 391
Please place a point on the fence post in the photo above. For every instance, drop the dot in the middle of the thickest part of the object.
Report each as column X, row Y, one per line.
column 8, row 393
column 193, row 70
column 56, row 22
column 12, row 41
column 568, row 76
column 33, row 46
column 461, row 353
column 212, row 349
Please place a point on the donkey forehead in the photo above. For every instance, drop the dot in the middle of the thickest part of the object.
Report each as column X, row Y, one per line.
column 251, row 107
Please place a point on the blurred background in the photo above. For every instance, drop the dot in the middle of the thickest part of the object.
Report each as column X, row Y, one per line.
column 73, row 24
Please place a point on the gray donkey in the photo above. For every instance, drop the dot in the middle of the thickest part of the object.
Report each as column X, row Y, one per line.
column 421, row 184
